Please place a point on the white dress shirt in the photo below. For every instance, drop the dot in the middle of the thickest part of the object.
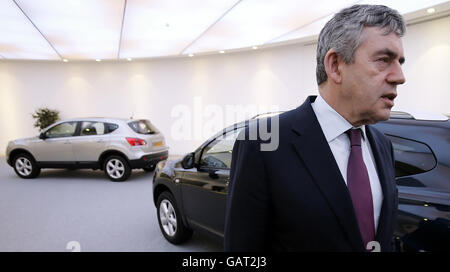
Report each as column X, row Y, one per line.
column 334, row 127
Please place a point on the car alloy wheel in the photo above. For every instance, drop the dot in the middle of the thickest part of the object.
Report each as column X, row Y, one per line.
column 117, row 168
column 168, row 217
column 170, row 221
column 25, row 167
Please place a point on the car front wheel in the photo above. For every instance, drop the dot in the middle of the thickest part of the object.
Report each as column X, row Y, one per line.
column 170, row 221
column 117, row 168
column 25, row 166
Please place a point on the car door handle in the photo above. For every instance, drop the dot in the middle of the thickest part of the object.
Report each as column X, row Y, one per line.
column 100, row 141
column 217, row 188
column 213, row 175
column 67, row 142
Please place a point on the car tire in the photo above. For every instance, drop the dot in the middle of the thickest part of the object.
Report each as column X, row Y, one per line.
column 170, row 221
column 25, row 166
column 117, row 168
column 149, row 168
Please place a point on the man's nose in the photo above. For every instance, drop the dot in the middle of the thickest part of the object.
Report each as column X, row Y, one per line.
column 396, row 74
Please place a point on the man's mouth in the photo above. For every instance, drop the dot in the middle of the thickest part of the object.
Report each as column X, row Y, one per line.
column 390, row 96
column 389, row 99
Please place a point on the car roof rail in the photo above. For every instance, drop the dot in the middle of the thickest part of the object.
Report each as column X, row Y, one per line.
column 418, row 115
column 266, row 114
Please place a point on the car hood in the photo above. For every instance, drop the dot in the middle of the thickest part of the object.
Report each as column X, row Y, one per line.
column 24, row 140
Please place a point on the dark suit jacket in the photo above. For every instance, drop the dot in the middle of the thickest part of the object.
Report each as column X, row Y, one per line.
column 295, row 199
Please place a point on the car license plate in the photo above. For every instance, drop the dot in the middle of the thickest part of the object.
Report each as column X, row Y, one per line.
column 158, row 144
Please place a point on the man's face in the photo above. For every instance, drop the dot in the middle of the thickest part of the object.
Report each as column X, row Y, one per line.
column 369, row 84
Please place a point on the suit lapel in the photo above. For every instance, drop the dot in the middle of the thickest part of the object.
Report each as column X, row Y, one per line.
column 313, row 149
column 386, row 186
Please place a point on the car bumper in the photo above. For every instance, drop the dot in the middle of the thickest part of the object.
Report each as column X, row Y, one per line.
column 8, row 160
column 149, row 160
column 7, row 153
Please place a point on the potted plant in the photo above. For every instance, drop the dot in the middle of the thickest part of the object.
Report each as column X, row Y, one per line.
column 44, row 117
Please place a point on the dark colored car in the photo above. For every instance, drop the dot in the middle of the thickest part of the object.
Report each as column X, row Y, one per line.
column 422, row 165
column 190, row 193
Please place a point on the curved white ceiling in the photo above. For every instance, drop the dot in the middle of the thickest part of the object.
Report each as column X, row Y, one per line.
column 125, row 29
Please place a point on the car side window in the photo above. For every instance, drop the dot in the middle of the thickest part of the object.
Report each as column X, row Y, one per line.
column 411, row 157
column 92, row 128
column 111, row 127
column 217, row 154
column 66, row 129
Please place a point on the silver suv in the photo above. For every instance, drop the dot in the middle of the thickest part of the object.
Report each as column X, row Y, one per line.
column 113, row 145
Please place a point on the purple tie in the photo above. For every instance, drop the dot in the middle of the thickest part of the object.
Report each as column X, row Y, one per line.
column 358, row 184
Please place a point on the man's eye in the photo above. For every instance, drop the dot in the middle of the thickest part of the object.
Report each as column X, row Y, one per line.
column 386, row 60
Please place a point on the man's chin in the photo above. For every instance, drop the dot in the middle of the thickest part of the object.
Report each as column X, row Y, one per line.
column 383, row 115
column 378, row 116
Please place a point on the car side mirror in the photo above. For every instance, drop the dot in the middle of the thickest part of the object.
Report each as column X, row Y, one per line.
column 188, row 161
column 42, row 136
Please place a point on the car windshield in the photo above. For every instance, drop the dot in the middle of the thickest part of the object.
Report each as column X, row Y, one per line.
column 143, row 127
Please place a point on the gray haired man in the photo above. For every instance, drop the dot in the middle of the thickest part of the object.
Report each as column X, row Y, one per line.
column 329, row 186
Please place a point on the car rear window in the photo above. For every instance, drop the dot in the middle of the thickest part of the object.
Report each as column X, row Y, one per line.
column 143, row 127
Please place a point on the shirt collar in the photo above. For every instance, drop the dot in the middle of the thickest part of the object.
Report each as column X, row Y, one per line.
column 331, row 122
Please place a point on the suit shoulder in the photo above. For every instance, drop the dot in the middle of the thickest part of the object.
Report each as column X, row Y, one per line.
column 286, row 119
column 283, row 120
column 378, row 134
column 288, row 116
column 380, row 137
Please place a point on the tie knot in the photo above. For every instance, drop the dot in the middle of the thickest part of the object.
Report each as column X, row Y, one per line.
column 355, row 136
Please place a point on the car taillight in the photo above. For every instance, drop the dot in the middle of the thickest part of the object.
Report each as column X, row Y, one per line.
column 135, row 141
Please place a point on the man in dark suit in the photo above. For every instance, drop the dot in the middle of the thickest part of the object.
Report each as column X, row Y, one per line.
column 329, row 186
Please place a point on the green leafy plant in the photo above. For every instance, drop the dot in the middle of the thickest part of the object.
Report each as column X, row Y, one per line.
column 45, row 117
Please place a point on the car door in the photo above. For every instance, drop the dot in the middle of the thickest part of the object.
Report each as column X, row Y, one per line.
column 92, row 141
column 57, row 145
column 204, row 188
column 423, row 221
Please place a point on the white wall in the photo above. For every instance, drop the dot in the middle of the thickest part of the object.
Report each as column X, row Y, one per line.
column 281, row 76
column 427, row 51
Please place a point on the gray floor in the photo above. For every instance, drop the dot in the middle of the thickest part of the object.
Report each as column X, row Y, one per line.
column 46, row 213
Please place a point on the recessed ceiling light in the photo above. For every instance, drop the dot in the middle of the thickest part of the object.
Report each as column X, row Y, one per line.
column 65, row 60
column 191, row 55
column 431, row 10
column 255, row 47
column 129, row 59
column 221, row 51
column 98, row 60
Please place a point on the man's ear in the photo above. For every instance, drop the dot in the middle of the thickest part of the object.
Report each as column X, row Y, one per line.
column 332, row 62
